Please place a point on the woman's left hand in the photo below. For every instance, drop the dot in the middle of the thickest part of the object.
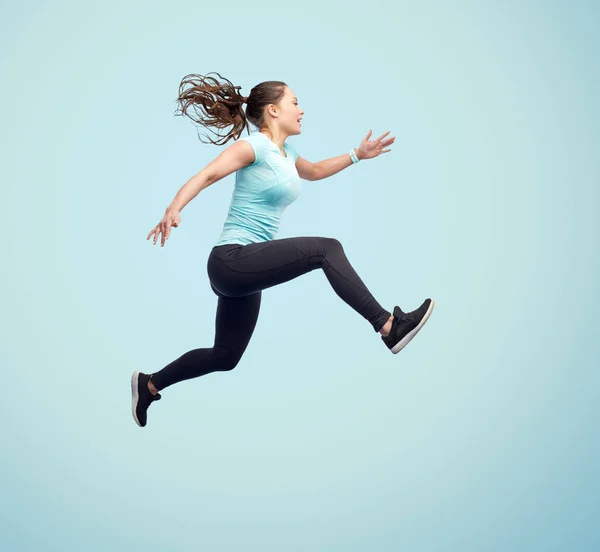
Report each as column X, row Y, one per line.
column 369, row 149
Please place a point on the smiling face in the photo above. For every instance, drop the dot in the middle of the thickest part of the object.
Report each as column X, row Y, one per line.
column 287, row 113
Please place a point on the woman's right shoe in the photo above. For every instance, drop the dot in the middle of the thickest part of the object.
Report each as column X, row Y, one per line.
column 141, row 397
column 406, row 325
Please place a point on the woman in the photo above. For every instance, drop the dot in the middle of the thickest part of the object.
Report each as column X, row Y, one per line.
column 247, row 258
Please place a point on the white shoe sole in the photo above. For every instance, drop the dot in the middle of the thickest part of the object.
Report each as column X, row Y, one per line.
column 407, row 338
column 134, row 396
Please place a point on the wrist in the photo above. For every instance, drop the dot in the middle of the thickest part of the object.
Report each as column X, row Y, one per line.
column 354, row 155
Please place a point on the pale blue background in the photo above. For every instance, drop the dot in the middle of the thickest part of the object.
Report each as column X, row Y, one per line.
column 481, row 435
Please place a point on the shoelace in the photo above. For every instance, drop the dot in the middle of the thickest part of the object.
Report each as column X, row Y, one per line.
column 404, row 317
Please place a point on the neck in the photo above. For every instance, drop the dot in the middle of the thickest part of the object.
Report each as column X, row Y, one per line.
column 275, row 135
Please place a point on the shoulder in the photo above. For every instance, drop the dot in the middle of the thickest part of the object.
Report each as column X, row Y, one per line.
column 259, row 144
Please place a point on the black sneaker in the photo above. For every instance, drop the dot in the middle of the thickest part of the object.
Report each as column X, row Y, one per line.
column 406, row 325
column 141, row 397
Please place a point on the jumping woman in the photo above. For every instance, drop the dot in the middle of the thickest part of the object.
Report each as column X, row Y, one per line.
column 247, row 258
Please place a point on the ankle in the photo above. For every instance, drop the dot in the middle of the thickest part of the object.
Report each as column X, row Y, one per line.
column 152, row 388
column 387, row 327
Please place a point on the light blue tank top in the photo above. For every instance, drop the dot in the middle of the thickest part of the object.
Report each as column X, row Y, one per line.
column 262, row 191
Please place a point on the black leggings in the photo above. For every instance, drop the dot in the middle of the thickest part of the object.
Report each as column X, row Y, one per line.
column 238, row 274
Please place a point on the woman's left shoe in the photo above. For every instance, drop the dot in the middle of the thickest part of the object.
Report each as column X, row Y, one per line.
column 406, row 325
column 141, row 397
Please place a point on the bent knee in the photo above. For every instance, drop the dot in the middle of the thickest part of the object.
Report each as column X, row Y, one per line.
column 331, row 244
column 225, row 359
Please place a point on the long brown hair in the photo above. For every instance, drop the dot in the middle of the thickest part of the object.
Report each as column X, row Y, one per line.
column 220, row 105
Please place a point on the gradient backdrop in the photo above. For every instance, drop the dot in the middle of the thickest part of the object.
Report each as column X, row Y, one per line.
column 482, row 435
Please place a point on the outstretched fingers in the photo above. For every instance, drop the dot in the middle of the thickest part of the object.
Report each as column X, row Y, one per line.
column 153, row 231
column 166, row 230
column 382, row 136
column 156, row 231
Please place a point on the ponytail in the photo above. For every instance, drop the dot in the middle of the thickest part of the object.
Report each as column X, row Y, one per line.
column 220, row 105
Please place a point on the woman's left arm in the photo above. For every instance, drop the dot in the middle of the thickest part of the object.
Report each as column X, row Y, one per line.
column 367, row 150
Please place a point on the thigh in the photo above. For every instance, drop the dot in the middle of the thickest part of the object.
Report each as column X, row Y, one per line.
column 235, row 322
column 275, row 254
column 259, row 266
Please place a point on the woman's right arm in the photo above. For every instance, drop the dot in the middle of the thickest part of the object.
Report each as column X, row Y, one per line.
column 238, row 155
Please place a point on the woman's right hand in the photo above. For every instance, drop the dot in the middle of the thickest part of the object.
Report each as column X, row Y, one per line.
column 171, row 218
